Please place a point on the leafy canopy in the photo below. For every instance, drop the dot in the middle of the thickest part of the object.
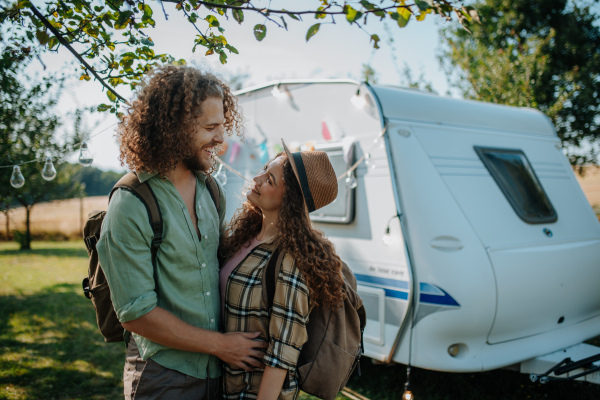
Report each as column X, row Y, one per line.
column 112, row 42
column 543, row 54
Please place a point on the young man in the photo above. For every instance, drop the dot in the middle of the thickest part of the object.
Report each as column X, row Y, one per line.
column 173, row 312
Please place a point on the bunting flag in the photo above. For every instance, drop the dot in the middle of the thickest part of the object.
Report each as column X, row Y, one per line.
column 235, row 148
column 325, row 131
column 263, row 152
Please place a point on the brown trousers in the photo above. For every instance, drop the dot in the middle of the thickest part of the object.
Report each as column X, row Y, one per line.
column 148, row 380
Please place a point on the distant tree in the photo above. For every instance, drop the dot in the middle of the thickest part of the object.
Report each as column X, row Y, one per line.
column 534, row 53
column 97, row 182
column 27, row 137
column 112, row 39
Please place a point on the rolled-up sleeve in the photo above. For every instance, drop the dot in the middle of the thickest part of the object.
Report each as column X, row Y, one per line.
column 124, row 254
column 287, row 326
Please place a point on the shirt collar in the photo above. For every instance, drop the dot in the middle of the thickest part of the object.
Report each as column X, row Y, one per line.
column 144, row 176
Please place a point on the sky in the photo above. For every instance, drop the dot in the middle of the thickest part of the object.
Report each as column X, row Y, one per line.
column 336, row 51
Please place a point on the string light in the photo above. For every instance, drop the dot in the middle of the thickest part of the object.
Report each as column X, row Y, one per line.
column 85, row 155
column 221, row 175
column 49, row 172
column 351, row 182
column 16, row 179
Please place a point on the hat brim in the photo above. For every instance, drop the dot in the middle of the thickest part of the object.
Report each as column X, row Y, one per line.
column 303, row 185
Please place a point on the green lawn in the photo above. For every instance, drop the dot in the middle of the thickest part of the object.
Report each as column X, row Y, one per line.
column 51, row 348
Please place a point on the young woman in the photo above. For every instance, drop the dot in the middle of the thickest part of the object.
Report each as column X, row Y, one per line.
column 276, row 217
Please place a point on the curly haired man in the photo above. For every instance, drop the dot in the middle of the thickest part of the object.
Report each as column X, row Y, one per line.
column 179, row 118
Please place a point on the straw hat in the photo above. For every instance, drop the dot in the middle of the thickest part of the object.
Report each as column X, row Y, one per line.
column 315, row 175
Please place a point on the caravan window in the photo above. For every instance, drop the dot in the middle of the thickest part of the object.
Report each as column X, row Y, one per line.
column 514, row 175
column 341, row 211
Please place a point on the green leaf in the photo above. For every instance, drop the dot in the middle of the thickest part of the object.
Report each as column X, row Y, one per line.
column 123, row 19
column 103, row 107
column 403, row 16
column 84, row 77
column 43, row 37
column 375, row 39
column 291, row 15
column 260, row 31
column 223, row 57
column 212, row 21
column 111, row 96
column 312, row 31
column 232, row 49
column 351, row 14
column 423, row 6
column 238, row 15
column 146, row 42
column 368, row 5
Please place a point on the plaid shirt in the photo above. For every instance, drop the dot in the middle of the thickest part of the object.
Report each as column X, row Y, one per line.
column 285, row 326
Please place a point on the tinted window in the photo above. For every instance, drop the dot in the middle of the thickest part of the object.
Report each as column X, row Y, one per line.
column 514, row 175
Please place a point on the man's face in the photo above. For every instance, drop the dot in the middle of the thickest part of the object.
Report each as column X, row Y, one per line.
column 207, row 133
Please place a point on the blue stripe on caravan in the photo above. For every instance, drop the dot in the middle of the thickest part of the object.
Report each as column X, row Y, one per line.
column 442, row 299
column 381, row 281
column 397, row 294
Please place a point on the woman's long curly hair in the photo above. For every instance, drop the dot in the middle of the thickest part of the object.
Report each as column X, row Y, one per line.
column 315, row 255
column 154, row 136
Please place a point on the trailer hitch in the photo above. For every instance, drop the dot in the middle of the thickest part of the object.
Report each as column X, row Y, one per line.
column 567, row 365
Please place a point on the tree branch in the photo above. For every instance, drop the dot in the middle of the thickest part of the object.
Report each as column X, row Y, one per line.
column 65, row 43
column 275, row 11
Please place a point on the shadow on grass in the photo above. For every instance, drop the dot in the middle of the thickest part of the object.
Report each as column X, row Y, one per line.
column 52, row 349
column 47, row 252
column 379, row 382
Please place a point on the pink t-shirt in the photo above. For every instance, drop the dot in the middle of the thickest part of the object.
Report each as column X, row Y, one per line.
column 230, row 265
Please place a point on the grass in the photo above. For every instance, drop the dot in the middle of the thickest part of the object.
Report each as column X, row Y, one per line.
column 50, row 347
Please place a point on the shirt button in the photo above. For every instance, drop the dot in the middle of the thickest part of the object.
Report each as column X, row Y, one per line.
column 212, row 320
column 199, row 207
column 208, row 293
column 205, row 237
column 203, row 265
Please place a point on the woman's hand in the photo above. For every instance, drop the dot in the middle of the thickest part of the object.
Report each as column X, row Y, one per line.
column 271, row 383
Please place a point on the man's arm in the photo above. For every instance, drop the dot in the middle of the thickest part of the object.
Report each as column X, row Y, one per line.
column 162, row 327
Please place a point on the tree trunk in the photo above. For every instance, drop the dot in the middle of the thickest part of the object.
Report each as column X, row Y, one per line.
column 7, row 222
column 26, row 244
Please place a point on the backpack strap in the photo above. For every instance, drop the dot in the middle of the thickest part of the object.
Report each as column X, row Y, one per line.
column 143, row 191
column 270, row 276
column 215, row 192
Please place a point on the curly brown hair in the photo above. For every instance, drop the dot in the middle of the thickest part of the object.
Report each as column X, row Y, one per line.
column 154, row 136
column 314, row 254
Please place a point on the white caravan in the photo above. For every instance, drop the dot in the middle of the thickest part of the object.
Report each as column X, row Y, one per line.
column 472, row 242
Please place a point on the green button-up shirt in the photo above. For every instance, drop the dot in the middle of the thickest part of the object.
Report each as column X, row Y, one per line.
column 187, row 268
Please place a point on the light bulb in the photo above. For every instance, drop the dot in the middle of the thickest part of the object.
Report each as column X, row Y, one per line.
column 407, row 395
column 369, row 162
column 380, row 142
column 16, row 179
column 358, row 101
column 221, row 175
column 85, row 155
column 49, row 172
column 351, row 181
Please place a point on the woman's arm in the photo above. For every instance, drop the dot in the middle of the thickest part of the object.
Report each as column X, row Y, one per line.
column 272, row 383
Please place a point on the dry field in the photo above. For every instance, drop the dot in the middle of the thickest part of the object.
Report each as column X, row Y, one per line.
column 66, row 216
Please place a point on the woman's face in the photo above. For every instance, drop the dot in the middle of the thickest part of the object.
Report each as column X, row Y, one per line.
column 267, row 190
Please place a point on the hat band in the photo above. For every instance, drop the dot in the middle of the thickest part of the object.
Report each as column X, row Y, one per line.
column 303, row 180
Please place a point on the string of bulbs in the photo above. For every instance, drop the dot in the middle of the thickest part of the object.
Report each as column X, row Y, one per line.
column 349, row 175
column 86, row 159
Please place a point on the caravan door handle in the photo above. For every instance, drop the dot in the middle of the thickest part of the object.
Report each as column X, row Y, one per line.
column 446, row 243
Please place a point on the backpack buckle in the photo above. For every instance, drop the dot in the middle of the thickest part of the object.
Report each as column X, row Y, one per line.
column 157, row 239
column 87, row 292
